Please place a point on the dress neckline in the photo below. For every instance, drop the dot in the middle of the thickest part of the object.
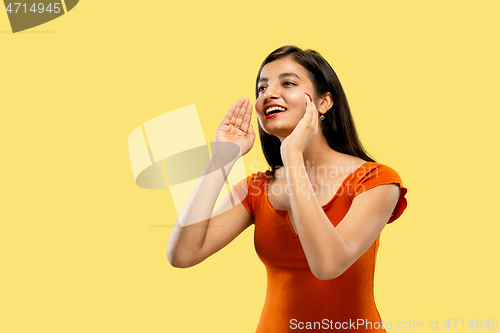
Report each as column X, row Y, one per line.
column 268, row 179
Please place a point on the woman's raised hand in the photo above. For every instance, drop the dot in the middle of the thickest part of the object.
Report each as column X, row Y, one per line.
column 304, row 133
column 236, row 128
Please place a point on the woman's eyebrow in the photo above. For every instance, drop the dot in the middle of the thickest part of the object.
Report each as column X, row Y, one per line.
column 282, row 75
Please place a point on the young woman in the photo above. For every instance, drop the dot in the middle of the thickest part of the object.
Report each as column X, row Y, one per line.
column 319, row 210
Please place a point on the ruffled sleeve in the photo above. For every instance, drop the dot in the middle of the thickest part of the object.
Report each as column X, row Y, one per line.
column 379, row 174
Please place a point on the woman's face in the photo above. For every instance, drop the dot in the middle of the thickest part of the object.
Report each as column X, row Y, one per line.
column 281, row 102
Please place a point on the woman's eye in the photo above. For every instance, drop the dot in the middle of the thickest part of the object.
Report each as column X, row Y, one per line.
column 261, row 89
column 289, row 83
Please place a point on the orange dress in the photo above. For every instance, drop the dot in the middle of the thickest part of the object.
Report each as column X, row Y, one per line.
column 295, row 298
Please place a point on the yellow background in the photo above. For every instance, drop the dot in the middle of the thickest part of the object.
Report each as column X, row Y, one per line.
column 83, row 249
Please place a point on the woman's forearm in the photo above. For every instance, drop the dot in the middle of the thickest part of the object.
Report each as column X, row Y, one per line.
column 323, row 245
column 190, row 229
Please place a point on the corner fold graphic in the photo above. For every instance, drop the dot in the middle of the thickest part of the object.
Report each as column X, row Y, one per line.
column 28, row 14
column 70, row 4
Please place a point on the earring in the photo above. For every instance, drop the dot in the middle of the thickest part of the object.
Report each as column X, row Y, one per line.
column 322, row 117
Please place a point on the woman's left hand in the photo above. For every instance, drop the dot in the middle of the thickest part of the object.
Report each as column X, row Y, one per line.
column 303, row 134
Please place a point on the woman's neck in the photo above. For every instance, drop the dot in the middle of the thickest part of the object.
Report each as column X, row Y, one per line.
column 319, row 153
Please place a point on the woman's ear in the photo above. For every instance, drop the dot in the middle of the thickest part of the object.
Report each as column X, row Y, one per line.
column 325, row 102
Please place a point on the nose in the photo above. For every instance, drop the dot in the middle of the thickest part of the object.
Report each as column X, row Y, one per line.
column 271, row 93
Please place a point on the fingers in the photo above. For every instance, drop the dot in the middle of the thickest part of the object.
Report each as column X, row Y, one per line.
column 312, row 113
column 250, row 129
column 247, row 117
column 310, row 108
column 310, row 98
column 229, row 115
column 236, row 111
column 241, row 113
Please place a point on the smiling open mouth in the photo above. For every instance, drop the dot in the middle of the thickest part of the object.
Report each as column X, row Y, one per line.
column 274, row 111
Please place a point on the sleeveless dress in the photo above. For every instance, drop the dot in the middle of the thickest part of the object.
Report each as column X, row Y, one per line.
column 295, row 298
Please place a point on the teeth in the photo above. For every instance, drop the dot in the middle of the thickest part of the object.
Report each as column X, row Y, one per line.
column 274, row 108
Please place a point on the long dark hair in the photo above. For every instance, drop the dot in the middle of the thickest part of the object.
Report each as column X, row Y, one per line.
column 338, row 126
